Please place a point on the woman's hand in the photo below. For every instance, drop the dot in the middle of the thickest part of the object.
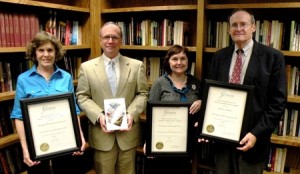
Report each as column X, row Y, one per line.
column 83, row 147
column 195, row 107
column 28, row 161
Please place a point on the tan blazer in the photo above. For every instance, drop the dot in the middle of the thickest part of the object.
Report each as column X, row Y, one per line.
column 93, row 87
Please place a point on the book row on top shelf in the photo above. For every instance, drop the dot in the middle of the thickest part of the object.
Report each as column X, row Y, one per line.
column 155, row 29
column 18, row 28
column 144, row 19
column 156, row 25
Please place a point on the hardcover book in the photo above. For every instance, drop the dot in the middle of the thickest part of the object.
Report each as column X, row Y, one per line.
column 115, row 114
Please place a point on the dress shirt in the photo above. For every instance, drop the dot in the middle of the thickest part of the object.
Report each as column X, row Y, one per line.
column 245, row 59
column 30, row 84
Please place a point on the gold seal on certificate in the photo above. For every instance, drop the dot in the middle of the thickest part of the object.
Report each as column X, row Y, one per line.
column 159, row 145
column 44, row 147
column 210, row 128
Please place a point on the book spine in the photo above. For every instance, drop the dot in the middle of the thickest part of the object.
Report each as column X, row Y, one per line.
column 27, row 29
column 11, row 30
column 22, row 29
column 16, row 30
column 2, row 30
column 7, row 33
column 68, row 33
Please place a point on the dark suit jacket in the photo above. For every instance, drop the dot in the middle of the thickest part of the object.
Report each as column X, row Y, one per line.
column 93, row 87
column 266, row 72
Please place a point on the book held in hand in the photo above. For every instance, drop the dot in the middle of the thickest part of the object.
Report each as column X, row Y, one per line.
column 115, row 114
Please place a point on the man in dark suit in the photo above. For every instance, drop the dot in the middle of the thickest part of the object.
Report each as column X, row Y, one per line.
column 114, row 150
column 264, row 68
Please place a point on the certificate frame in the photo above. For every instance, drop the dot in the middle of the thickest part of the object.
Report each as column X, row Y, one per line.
column 225, row 111
column 51, row 126
column 169, row 129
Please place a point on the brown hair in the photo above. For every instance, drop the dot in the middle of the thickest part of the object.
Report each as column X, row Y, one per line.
column 41, row 38
column 175, row 49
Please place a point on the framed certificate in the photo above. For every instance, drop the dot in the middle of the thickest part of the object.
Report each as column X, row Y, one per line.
column 226, row 110
column 169, row 129
column 51, row 126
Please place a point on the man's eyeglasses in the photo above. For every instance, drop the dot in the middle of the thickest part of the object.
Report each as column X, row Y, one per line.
column 241, row 25
column 107, row 38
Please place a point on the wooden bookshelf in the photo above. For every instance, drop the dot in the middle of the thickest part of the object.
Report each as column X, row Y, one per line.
column 151, row 8
column 292, row 171
column 156, row 10
column 49, row 5
column 9, row 140
column 286, row 140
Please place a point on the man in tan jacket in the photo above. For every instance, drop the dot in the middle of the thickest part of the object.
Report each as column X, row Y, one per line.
column 114, row 150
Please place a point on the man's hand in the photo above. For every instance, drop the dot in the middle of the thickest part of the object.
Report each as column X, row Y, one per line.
column 247, row 142
column 129, row 123
column 103, row 124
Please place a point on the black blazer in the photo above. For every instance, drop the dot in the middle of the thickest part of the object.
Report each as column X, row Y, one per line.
column 266, row 72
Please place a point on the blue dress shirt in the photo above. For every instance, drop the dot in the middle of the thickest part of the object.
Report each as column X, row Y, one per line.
column 30, row 84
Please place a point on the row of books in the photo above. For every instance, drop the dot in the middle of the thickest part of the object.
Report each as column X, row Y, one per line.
column 276, row 160
column 154, row 67
column 10, row 70
column 217, row 34
column 7, row 125
column 71, row 64
column 69, row 32
column 293, row 82
column 17, row 29
column 279, row 35
column 290, row 123
column 154, row 33
column 11, row 160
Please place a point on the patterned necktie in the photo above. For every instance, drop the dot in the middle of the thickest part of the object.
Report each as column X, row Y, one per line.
column 112, row 77
column 237, row 69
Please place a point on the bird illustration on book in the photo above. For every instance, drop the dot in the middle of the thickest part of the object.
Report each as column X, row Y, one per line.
column 118, row 122
column 114, row 115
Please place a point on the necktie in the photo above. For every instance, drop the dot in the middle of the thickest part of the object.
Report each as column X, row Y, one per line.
column 237, row 69
column 112, row 77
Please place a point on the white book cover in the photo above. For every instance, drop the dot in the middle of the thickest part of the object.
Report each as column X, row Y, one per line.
column 115, row 114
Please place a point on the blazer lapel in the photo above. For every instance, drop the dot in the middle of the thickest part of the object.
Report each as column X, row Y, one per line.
column 253, row 65
column 100, row 72
column 124, row 74
column 225, row 66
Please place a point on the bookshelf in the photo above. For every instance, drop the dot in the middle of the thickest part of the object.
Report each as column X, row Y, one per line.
column 83, row 11
column 137, row 11
column 283, row 11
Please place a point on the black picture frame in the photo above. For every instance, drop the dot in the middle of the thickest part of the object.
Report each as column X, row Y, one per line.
column 169, row 129
column 225, row 111
column 51, row 126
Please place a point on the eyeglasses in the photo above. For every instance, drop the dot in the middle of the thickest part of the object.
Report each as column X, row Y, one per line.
column 107, row 38
column 241, row 25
